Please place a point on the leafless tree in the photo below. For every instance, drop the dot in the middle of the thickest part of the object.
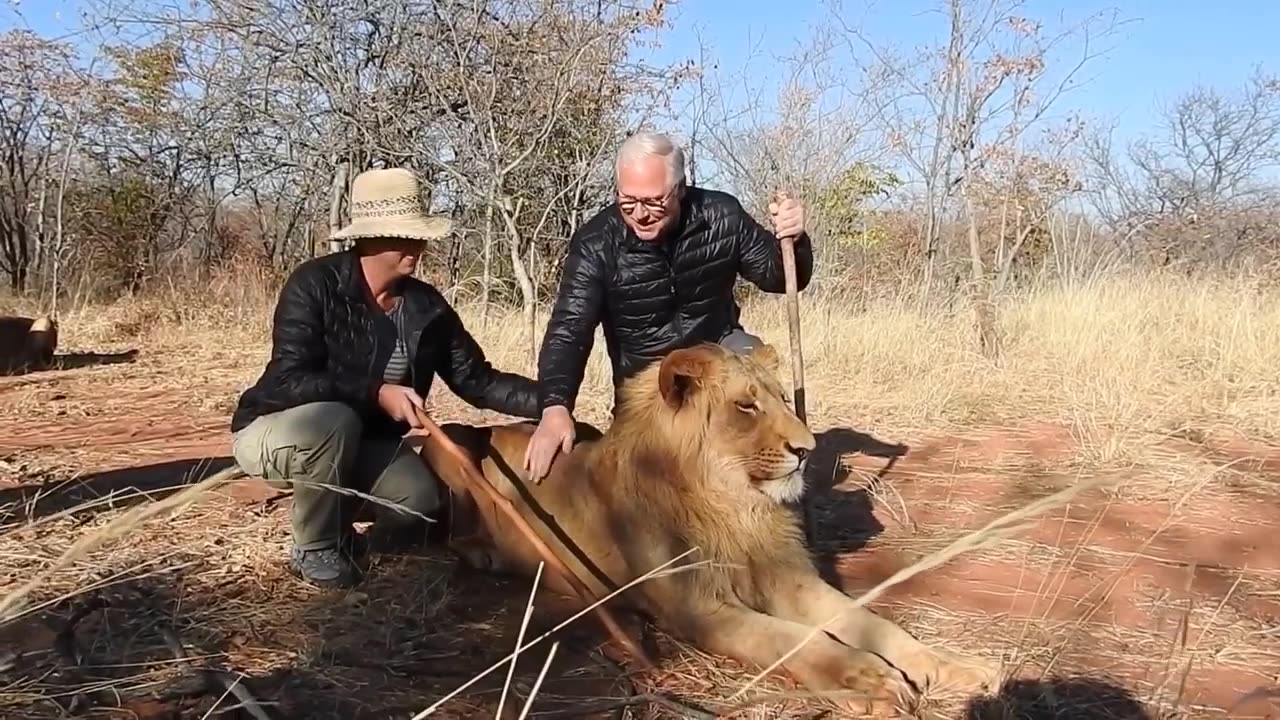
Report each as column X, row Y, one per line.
column 807, row 131
column 973, row 99
column 31, row 68
column 1198, row 187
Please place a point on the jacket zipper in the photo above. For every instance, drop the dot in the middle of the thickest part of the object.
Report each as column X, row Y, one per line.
column 372, row 330
column 408, row 351
column 675, row 297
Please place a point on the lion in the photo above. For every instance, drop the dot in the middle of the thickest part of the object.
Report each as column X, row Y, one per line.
column 27, row 344
column 703, row 452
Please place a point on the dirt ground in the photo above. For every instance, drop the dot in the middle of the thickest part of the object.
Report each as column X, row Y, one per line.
column 1154, row 596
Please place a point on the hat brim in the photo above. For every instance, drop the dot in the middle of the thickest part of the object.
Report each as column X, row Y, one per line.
column 424, row 229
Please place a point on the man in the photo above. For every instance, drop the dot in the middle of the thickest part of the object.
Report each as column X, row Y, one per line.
column 356, row 343
column 657, row 269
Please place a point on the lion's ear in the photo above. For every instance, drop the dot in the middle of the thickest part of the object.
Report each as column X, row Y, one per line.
column 766, row 356
column 681, row 370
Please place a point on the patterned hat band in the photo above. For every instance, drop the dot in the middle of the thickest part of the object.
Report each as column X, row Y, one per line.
column 387, row 204
column 386, row 207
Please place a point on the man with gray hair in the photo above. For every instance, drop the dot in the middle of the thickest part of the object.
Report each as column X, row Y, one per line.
column 656, row 269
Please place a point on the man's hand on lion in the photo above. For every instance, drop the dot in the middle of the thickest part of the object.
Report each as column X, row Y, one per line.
column 399, row 402
column 555, row 433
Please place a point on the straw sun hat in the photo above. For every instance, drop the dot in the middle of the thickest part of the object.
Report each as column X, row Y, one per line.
column 388, row 204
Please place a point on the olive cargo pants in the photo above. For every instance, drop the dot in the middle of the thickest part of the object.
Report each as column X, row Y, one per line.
column 322, row 444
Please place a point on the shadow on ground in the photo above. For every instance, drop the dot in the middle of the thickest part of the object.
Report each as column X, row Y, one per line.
column 1054, row 699
column 844, row 518
column 422, row 628
column 74, row 361
column 205, row 642
column 97, row 651
column 106, row 491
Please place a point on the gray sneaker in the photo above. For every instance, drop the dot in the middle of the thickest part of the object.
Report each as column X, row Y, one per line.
column 329, row 568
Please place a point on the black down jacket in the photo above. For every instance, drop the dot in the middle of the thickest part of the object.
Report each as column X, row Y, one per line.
column 656, row 297
column 324, row 347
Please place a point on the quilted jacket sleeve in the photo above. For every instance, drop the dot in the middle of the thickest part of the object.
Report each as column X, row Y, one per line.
column 571, row 328
column 760, row 253
column 471, row 376
column 298, row 354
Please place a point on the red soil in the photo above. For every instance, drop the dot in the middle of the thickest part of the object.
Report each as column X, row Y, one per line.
column 1097, row 589
column 1109, row 579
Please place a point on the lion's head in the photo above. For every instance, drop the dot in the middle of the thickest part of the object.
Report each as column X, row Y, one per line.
column 729, row 410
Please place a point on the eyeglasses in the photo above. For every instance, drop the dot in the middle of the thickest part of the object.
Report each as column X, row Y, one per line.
column 655, row 206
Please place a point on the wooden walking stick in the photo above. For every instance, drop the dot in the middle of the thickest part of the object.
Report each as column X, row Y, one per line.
column 479, row 485
column 797, row 357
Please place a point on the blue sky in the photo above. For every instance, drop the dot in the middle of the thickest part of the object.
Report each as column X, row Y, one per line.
column 1165, row 48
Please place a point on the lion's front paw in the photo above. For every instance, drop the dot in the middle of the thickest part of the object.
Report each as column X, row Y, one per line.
column 477, row 555
column 946, row 672
column 967, row 674
column 860, row 682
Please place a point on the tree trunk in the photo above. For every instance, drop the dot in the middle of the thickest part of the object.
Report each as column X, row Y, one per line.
column 534, row 266
column 1006, row 263
column 486, row 274
column 930, row 247
column 58, row 246
column 984, row 313
column 40, row 244
column 335, row 205
column 522, row 274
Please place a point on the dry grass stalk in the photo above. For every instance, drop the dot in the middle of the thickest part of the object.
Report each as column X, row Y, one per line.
column 125, row 523
column 524, row 625
column 542, row 674
column 1118, row 575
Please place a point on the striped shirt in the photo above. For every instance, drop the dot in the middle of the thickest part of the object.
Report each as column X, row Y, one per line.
column 391, row 329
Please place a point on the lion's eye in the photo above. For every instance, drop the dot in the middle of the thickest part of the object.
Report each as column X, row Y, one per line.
column 748, row 406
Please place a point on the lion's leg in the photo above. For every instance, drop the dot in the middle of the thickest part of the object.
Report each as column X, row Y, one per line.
column 483, row 536
column 469, row 531
column 473, row 521
column 502, row 548
column 814, row 602
column 821, row 664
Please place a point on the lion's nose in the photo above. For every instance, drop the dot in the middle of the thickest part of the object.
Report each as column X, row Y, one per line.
column 799, row 452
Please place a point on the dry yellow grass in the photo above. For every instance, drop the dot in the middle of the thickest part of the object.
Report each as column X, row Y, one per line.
column 1149, row 353
column 1123, row 365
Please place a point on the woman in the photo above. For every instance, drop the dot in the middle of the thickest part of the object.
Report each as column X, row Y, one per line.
column 356, row 344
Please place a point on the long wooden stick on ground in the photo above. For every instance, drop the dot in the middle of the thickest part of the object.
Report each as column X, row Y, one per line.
column 797, row 357
column 479, row 485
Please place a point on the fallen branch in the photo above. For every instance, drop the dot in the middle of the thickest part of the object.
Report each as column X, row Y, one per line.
column 68, row 648
column 97, row 691
column 633, row 699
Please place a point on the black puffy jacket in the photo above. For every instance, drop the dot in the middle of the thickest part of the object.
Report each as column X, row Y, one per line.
column 324, row 347
column 656, row 297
